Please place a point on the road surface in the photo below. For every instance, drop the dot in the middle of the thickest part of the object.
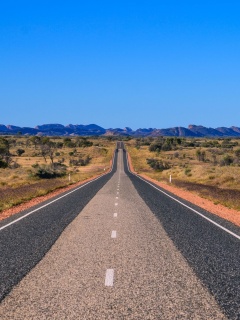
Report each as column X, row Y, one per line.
column 118, row 248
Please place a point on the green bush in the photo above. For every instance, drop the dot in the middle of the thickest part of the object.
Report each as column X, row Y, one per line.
column 187, row 172
column 80, row 161
column 158, row 165
column 50, row 171
column 20, row 152
column 3, row 164
column 227, row 160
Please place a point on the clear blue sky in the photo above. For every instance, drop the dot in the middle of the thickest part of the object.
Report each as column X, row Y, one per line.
column 120, row 63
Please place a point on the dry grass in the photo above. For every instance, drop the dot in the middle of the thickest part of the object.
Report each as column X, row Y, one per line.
column 221, row 184
column 18, row 185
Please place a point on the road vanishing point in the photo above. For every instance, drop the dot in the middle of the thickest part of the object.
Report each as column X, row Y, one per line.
column 118, row 247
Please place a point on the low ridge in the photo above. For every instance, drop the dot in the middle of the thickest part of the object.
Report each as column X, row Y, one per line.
column 95, row 130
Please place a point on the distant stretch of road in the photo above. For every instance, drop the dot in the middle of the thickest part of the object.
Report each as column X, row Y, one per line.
column 119, row 247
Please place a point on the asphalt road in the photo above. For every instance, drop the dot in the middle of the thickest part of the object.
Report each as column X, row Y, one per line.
column 212, row 253
column 23, row 244
column 128, row 252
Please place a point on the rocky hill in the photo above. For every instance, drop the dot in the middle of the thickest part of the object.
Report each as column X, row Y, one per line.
column 95, row 130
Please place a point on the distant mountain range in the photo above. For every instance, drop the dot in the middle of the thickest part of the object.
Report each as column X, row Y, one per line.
column 95, row 130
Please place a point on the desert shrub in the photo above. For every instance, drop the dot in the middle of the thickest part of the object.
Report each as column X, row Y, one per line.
column 80, row 161
column 156, row 146
column 237, row 153
column 227, row 143
column 59, row 145
column 3, row 164
column 210, row 144
column 137, row 144
column 187, row 171
column 158, row 165
column 227, row 160
column 201, row 155
column 60, row 161
column 50, row 171
column 214, row 159
column 167, row 146
column 5, row 156
column 83, row 142
column 143, row 142
column 190, row 144
column 14, row 165
column 69, row 143
column 20, row 152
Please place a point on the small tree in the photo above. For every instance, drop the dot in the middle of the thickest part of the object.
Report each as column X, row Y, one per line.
column 5, row 156
column 227, row 160
column 237, row 153
column 35, row 140
column 20, row 152
column 48, row 149
column 201, row 155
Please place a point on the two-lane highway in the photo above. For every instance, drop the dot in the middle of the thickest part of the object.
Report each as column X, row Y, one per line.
column 131, row 252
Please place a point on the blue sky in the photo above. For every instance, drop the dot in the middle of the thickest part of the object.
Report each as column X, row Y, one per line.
column 120, row 63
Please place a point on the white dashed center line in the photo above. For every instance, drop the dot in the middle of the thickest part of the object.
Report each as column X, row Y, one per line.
column 115, row 214
column 114, row 234
column 109, row 278
column 116, row 204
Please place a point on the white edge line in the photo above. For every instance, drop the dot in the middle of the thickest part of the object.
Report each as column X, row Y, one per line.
column 200, row 214
column 47, row 204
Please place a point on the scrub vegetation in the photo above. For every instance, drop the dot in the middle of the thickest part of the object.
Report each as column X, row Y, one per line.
column 34, row 166
column 207, row 167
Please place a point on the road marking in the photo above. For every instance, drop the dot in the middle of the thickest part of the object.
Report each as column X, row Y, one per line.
column 109, row 278
column 114, row 234
column 116, row 197
column 47, row 204
column 117, row 192
column 115, row 214
column 116, row 204
column 200, row 214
